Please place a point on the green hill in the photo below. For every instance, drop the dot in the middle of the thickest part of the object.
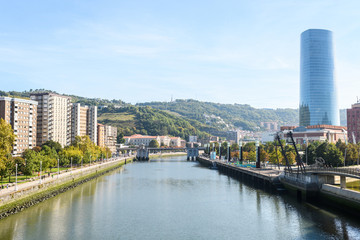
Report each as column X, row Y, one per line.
column 149, row 121
column 179, row 118
column 227, row 116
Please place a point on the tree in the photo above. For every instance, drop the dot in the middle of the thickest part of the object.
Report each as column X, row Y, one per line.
column 7, row 138
column 153, row 143
column 252, row 156
column 334, row 157
column 53, row 144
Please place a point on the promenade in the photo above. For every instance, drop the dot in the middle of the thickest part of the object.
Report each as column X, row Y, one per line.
column 55, row 178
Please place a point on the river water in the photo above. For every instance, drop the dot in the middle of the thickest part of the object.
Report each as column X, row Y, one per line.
column 175, row 199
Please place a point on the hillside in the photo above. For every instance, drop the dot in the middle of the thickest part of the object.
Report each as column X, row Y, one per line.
column 227, row 116
column 148, row 121
column 179, row 118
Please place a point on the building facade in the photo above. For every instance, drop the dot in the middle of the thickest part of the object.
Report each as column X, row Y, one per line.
column 110, row 137
column 321, row 133
column 84, row 122
column 22, row 115
column 100, row 135
column 318, row 98
column 54, row 118
column 353, row 123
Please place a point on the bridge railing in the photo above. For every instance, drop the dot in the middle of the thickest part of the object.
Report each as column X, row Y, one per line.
column 340, row 170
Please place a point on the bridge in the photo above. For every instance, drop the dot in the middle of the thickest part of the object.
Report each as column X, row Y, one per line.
column 144, row 152
column 323, row 175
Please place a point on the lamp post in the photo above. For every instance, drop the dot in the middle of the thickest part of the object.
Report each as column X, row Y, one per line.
column 257, row 154
column 219, row 150
column 40, row 172
column 81, row 162
column 58, row 168
column 306, row 151
column 240, row 152
column 71, row 166
column 16, row 187
column 90, row 160
column 228, row 149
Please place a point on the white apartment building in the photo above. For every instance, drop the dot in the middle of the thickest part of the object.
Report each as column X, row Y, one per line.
column 110, row 137
column 22, row 115
column 84, row 121
column 54, row 118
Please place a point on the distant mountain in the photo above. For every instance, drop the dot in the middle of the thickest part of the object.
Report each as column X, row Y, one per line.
column 227, row 116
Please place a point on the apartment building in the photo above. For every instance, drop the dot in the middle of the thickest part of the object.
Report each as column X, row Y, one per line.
column 100, row 135
column 110, row 137
column 84, row 122
column 138, row 139
column 353, row 123
column 22, row 115
column 53, row 118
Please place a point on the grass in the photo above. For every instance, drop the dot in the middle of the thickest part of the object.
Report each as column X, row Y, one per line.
column 22, row 178
column 117, row 117
column 353, row 185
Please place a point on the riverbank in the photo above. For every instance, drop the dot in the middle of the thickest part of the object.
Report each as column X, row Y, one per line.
column 31, row 193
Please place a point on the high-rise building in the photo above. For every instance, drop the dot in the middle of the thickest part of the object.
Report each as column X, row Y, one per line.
column 353, row 123
column 100, row 135
column 318, row 98
column 22, row 115
column 84, row 122
column 54, row 118
column 110, row 137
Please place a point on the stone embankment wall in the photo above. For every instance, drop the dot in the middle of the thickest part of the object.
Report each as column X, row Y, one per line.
column 36, row 193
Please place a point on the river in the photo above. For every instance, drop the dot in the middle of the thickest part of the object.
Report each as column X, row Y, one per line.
column 175, row 199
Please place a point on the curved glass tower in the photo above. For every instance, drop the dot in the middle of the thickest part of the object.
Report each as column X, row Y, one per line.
column 318, row 98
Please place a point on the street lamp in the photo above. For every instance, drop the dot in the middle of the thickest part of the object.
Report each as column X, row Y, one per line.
column 16, row 187
column 219, row 150
column 58, row 168
column 40, row 171
column 71, row 165
column 257, row 154
column 240, row 151
column 306, row 151
column 90, row 160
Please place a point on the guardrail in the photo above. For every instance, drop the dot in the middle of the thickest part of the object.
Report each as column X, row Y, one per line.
column 353, row 172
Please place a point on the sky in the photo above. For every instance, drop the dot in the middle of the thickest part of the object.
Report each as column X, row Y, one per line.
column 228, row 51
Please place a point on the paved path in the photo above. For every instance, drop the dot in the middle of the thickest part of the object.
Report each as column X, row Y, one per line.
column 4, row 192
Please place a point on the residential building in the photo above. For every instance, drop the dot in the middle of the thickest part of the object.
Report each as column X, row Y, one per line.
column 175, row 142
column 234, row 135
column 164, row 140
column 22, row 115
column 53, row 118
column 318, row 98
column 100, row 135
column 110, row 137
column 138, row 139
column 353, row 123
column 84, row 122
column 270, row 126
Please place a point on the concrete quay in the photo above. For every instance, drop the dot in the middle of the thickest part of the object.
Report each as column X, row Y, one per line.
column 266, row 176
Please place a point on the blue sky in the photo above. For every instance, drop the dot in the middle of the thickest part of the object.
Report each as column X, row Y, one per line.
column 221, row 51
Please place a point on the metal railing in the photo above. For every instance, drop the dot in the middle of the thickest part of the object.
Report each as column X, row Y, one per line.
column 351, row 172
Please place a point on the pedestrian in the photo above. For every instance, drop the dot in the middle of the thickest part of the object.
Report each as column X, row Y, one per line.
column 7, row 186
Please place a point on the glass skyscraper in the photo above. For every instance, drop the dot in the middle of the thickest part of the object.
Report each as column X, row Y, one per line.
column 318, row 98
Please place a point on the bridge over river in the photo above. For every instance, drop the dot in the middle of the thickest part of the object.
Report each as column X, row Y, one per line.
column 143, row 153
